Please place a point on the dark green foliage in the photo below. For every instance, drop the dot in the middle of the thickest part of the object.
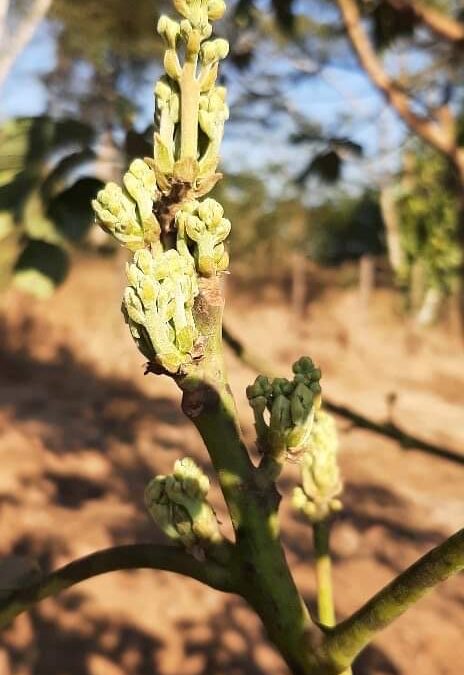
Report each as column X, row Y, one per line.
column 327, row 165
column 346, row 229
column 284, row 14
column 428, row 213
column 40, row 268
column 109, row 30
column 43, row 207
column 390, row 24
column 71, row 210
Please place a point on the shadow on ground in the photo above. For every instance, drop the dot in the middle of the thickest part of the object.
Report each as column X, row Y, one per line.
column 71, row 408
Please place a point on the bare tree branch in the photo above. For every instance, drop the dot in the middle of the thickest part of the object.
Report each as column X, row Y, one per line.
column 436, row 134
column 13, row 47
column 135, row 556
column 352, row 635
column 387, row 429
column 4, row 7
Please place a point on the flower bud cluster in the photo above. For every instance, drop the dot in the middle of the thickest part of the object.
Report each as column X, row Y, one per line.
column 201, row 230
column 189, row 90
column 156, row 213
column 158, row 305
column 200, row 12
column 127, row 213
column 178, row 504
column 284, row 409
column 317, row 497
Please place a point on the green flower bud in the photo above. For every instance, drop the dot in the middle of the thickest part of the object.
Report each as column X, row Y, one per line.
column 117, row 215
column 158, row 307
column 196, row 11
column 258, row 394
column 128, row 214
column 167, row 99
column 169, row 30
column 201, row 227
column 281, row 419
column 214, row 50
column 260, row 388
column 291, row 404
column 216, row 9
column 178, row 504
column 208, row 77
column 172, row 65
column 140, row 183
column 321, row 483
column 210, row 212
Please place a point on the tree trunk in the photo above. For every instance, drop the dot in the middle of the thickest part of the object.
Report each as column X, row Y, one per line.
column 298, row 285
column 22, row 35
column 458, row 318
column 366, row 280
column 392, row 228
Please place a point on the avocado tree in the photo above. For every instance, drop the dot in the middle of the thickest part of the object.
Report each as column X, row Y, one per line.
column 173, row 305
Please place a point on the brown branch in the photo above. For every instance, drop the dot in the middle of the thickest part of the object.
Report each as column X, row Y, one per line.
column 136, row 556
column 387, row 429
column 443, row 26
column 440, row 136
column 21, row 36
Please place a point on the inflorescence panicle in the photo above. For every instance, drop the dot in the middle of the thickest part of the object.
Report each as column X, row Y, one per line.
column 179, row 506
column 284, row 410
column 175, row 237
column 318, row 496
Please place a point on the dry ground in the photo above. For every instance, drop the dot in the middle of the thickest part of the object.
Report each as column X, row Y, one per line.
column 82, row 431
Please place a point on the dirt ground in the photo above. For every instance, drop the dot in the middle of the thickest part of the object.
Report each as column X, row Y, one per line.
column 82, row 431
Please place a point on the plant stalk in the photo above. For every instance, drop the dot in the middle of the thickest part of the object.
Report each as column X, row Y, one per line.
column 190, row 103
column 118, row 558
column 325, row 603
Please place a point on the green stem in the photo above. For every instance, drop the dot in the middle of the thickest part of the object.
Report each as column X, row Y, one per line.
column 190, row 103
column 345, row 641
column 266, row 582
column 135, row 556
column 325, row 603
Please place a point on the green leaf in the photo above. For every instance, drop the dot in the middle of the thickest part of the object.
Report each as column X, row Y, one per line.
column 9, row 250
column 59, row 175
column 40, row 268
column 71, row 210
column 36, row 224
column 139, row 144
column 72, row 131
column 6, row 224
column 12, row 195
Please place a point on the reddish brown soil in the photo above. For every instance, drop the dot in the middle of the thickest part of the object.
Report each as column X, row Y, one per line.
column 82, row 431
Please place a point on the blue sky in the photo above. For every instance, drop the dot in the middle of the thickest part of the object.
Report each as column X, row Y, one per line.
column 342, row 101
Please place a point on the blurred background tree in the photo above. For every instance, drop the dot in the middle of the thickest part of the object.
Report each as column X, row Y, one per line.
column 328, row 187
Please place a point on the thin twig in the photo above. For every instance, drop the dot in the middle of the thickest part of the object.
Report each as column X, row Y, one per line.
column 436, row 21
column 135, row 556
column 352, row 635
column 388, row 429
column 438, row 135
column 22, row 36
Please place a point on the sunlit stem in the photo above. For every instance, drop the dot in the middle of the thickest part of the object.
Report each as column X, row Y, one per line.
column 190, row 103
column 166, row 128
column 325, row 603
